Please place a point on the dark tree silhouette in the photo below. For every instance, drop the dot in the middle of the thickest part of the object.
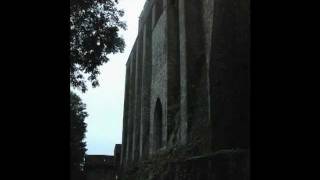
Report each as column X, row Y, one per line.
column 94, row 27
column 77, row 135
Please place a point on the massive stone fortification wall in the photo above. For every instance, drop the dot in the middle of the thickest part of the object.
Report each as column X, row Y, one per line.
column 187, row 91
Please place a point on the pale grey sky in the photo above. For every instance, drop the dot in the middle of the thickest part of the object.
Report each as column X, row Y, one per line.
column 105, row 103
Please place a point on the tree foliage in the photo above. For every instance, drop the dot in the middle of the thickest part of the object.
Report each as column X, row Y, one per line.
column 94, row 27
column 77, row 135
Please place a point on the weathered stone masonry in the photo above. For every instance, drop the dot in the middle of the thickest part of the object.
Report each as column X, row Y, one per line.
column 187, row 92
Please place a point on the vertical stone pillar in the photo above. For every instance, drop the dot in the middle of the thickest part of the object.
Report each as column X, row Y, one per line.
column 193, row 71
column 183, row 74
column 173, row 70
column 229, row 74
column 146, row 85
column 129, row 123
column 137, row 117
column 125, row 117
column 132, row 104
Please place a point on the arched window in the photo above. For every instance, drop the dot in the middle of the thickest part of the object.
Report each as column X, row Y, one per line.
column 158, row 124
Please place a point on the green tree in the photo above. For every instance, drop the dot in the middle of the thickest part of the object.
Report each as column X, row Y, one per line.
column 94, row 27
column 77, row 135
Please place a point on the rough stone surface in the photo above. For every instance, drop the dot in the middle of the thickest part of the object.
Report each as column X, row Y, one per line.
column 186, row 110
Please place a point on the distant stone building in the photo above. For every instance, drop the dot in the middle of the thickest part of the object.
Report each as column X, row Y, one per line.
column 186, row 110
column 99, row 167
column 103, row 167
column 117, row 157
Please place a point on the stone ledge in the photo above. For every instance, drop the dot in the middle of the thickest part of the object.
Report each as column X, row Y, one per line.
column 220, row 165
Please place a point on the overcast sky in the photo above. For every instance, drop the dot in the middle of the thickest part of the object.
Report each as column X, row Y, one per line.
column 105, row 103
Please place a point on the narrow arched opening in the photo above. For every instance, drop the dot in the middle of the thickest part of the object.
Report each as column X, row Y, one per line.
column 158, row 125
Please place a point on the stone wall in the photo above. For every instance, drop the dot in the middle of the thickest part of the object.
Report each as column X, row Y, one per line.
column 180, row 165
column 187, row 92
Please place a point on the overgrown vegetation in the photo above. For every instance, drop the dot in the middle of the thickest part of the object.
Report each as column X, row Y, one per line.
column 77, row 135
column 94, row 33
